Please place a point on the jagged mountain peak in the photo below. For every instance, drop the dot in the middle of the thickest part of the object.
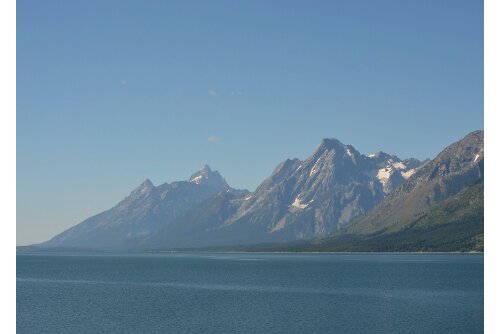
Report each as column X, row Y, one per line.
column 208, row 177
column 145, row 187
column 466, row 154
column 328, row 144
column 147, row 184
column 458, row 166
column 382, row 156
column 206, row 168
column 469, row 147
column 477, row 134
column 302, row 199
column 332, row 149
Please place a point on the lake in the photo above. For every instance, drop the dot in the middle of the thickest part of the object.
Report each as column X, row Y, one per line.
column 249, row 293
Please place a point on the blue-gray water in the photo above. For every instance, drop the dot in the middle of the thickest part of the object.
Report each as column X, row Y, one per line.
column 250, row 293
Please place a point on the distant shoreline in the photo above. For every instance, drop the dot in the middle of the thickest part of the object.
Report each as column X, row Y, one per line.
column 31, row 249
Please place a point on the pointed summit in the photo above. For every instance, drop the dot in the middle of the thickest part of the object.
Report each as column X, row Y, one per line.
column 328, row 144
column 147, row 184
column 206, row 168
column 143, row 188
column 336, row 150
column 208, row 177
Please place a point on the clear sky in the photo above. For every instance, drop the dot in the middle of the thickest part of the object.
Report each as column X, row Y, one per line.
column 110, row 93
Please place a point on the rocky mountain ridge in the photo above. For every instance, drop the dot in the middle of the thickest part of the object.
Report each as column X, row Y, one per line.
column 335, row 190
column 146, row 210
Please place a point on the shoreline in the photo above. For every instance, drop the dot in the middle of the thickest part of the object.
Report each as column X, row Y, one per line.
column 200, row 251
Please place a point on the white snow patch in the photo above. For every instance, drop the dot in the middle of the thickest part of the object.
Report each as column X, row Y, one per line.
column 399, row 165
column 409, row 173
column 384, row 174
column 349, row 153
column 247, row 198
column 373, row 155
column 197, row 179
column 298, row 168
column 298, row 204
column 314, row 170
column 477, row 157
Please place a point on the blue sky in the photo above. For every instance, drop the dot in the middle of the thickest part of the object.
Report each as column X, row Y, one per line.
column 110, row 93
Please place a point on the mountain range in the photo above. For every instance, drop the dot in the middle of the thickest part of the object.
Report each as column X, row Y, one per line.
column 336, row 199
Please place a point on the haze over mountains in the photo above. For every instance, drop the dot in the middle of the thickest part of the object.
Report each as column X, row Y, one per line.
column 336, row 191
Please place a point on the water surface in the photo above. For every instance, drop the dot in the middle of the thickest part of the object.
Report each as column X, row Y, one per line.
column 249, row 293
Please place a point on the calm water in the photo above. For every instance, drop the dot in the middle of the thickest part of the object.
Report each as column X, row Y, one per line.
column 250, row 293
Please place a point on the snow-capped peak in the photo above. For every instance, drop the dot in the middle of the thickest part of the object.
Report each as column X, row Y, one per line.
column 208, row 177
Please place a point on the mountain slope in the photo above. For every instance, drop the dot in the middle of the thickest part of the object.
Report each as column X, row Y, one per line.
column 367, row 202
column 146, row 210
column 458, row 166
column 300, row 200
column 455, row 224
column 440, row 207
